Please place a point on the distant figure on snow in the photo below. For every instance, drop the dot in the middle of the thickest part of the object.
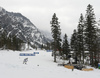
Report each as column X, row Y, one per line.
column 25, row 61
column 71, row 61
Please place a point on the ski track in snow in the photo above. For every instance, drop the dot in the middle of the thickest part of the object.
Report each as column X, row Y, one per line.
column 39, row 66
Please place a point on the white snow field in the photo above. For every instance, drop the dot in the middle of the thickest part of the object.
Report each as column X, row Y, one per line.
column 39, row 66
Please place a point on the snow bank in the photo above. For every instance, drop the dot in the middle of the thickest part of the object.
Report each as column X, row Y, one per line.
column 39, row 66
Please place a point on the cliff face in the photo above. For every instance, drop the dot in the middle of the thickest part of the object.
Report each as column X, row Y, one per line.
column 20, row 26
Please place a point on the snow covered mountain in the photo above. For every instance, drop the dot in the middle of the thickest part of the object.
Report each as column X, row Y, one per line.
column 22, row 27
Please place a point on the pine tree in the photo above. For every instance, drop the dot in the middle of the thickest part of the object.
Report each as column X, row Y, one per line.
column 73, row 44
column 56, row 32
column 16, row 43
column 42, row 46
column 19, row 45
column 65, row 46
column 0, row 36
column 80, row 37
column 90, row 31
column 4, row 39
column 98, row 44
column 9, row 42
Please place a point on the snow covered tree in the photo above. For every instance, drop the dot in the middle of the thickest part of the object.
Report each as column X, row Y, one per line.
column 56, row 32
column 98, row 45
column 0, row 36
column 74, row 46
column 73, row 42
column 65, row 46
column 90, row 31
column 80, row 37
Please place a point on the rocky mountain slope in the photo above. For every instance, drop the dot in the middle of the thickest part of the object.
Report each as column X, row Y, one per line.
column 22, row 27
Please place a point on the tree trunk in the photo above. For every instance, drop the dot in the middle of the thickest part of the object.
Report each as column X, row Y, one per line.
column 98, row 57
column 83, row 57
column 92, row 57
column 54, row 56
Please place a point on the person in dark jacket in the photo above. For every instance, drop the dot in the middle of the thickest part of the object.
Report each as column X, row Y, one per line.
column 25, row 61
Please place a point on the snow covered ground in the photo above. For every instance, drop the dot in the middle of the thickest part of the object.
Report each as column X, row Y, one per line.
column 39, row 66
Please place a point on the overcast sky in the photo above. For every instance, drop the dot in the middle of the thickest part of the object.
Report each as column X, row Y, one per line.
column 40, row 11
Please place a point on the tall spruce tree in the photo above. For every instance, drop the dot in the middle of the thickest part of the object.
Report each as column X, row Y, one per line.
column 0, row 36
column 56, row 32
column 73, row 43
column 90, row 31
column 98, row 44
column 65, row 46
column 80, row 37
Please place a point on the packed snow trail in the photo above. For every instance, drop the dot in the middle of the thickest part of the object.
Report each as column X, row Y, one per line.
column 39, row 66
